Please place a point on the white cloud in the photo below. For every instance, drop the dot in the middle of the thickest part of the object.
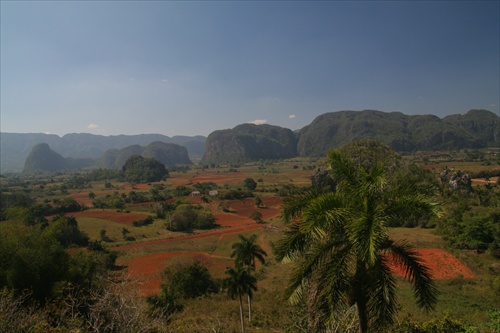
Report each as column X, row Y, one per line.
column 93, row 126
column 258, row 121
column 292, row 116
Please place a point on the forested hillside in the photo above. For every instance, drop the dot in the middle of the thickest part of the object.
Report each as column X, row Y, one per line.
column 475, row 129
column 248, row 142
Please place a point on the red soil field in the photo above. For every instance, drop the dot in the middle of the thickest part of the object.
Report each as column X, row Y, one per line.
column 147, row 269
column 123, row 218
column 82, row 198
column 247, row 206
column 442, row 265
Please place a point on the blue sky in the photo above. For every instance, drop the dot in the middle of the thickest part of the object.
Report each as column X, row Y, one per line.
column 189, row 68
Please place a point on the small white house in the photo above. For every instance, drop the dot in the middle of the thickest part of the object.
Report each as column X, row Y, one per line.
column 195, row 193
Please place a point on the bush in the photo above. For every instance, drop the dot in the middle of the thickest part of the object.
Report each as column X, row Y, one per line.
column 186, row 217
column 139, row 223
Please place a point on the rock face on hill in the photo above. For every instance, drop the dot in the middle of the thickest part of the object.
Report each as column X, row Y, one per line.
column 476, row 129
column 248, row 142
column 44, row 159
column 167, row 153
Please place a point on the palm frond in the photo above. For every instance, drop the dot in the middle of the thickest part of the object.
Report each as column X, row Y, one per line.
column 417, row 273
column 382, row 306
column 317, row 258
column 293, row 206
column 292, row 245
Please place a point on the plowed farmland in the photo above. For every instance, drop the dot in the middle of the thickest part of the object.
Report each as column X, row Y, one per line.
column 441, row 264
column 118, row 217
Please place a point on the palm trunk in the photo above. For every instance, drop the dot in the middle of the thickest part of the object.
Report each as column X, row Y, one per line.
column 363, row 319
column 249, row 309
column 360, row 297
column 241, row 315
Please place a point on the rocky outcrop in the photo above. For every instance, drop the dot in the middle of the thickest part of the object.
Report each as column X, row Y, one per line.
column 249, row 142
column 44, row 159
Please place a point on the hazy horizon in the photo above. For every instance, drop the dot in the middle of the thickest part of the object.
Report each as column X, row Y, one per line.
column 190, row 68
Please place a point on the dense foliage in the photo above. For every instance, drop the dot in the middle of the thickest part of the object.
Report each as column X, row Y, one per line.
column 138, row 169
column 182, row 282
column 187, row 217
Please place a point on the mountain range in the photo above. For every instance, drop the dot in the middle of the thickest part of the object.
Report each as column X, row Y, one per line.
column 247, row 142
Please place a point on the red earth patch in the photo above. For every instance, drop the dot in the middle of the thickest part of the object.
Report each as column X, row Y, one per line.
column 123, row 218
column 442, row 265
column 146, row 270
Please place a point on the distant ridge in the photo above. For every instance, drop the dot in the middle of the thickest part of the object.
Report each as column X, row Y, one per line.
column 404, row 133
column 15, row 147
column 43, row 159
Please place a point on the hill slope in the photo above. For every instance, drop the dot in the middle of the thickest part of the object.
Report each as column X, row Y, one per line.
column 249, row 142
column 43, row 159
column 476, row 129
column 15, row 147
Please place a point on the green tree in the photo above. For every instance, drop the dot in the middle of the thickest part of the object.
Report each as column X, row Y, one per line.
column 189, row 282
column 182, row 282
column 256, row 216
column 340, row 243
column 138, row 169
column 258, row 201
column 250, row 184
column 65, row 230
column 125, row 232
column 245, row 252
column 31, row 260
column 238, row 283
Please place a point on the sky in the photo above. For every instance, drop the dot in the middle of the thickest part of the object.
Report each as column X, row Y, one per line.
column 190, row 68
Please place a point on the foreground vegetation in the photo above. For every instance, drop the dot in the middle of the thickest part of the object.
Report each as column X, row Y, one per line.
column 59, row 273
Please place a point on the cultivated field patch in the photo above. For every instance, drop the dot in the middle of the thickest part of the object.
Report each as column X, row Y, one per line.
column 118, row 217
column 441, row 264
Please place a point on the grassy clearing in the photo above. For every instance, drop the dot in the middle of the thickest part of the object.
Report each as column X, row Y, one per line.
column 418, row 237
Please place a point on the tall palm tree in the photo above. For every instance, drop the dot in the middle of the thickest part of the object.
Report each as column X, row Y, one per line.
column 340, row 243
column 245, row 252
column 238, row 283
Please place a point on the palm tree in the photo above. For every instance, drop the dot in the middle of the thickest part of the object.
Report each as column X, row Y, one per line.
column 340, row 243
column 245, row 252
column 240, row 282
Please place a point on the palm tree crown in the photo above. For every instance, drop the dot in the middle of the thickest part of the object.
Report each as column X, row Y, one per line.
column 340, row 244
column 246, row 250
